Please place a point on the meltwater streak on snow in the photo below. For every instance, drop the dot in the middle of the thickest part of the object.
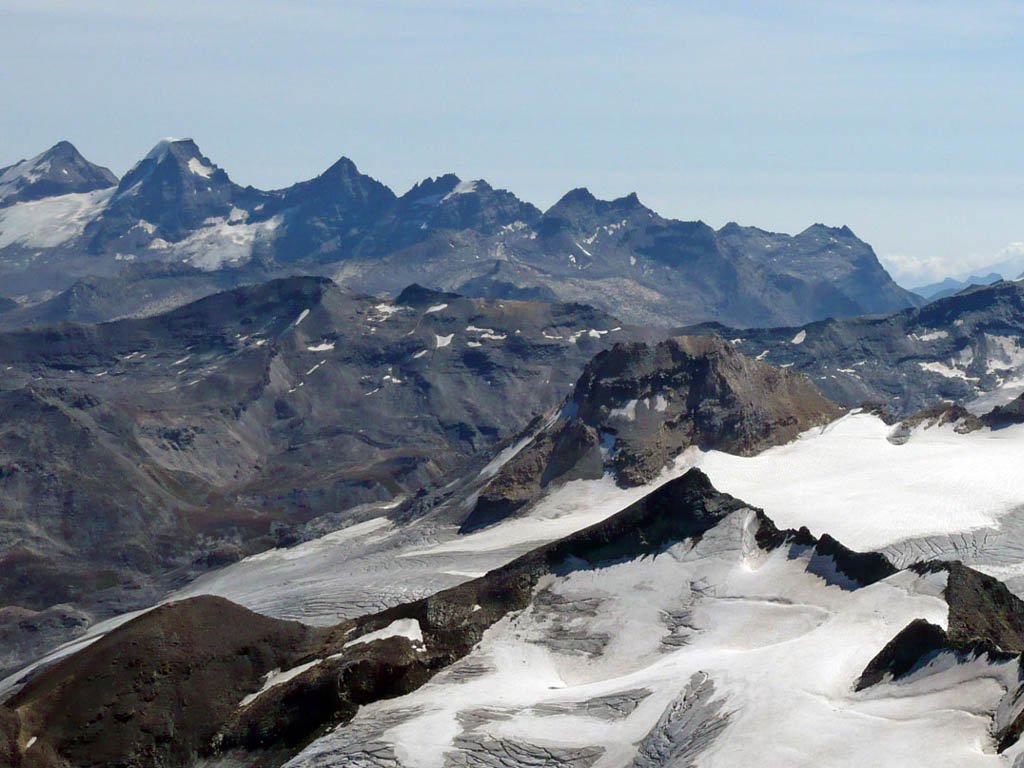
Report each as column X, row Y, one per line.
column 52, row 221
column 780, row 647
column 847, row 480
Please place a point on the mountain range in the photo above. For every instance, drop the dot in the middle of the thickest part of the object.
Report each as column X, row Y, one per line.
column 967, row 348
column 950, row 285
column 70, row 225
column 332, row 476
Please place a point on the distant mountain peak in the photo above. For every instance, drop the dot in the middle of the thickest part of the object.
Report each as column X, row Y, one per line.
column 60, row 170
column 181, row 153
column 818, row 230
column 575, row 197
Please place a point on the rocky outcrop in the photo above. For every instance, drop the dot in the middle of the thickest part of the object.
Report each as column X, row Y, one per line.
column 1006, row 415
column 637, row 406
column 153, row 691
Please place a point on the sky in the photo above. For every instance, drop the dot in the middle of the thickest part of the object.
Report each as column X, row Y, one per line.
column 902, row 120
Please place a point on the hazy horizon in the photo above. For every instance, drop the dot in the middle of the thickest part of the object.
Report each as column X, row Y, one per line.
column 896, row 119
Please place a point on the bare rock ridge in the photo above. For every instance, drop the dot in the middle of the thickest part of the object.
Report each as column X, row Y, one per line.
column 177, row 206
column 637, row 406
column 109, row 705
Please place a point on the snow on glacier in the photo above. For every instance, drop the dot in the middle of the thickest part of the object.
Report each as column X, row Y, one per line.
column 780, row 647
column 52, row 221
column 848, row 480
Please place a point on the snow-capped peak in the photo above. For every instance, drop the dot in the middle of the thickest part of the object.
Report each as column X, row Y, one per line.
column 59, row 170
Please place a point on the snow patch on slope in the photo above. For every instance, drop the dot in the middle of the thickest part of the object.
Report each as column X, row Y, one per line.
column 52, row 221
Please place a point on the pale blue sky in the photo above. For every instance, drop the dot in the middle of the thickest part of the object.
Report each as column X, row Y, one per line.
column 901, row 119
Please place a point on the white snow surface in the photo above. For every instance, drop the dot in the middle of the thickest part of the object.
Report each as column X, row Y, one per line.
column 221, row 242
column 462, row 188
column 848, row 480
column 277, row 677
column 408, row 628
column 198, row 168
column 800, row 338
column 52, row 221
column 443, row 341
column 781, row 647
column 435, row 308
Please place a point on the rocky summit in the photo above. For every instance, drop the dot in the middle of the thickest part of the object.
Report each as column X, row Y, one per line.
column 60, row 170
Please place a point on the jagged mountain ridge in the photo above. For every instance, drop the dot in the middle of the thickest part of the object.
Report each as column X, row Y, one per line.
column 951, row 285
column 448, row 234
column 633, row 669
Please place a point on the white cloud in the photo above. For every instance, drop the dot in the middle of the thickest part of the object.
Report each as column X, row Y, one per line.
column 913, row 271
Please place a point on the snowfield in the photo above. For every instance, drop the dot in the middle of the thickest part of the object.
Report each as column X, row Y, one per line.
column 52, row 221
column 714, row 655
column 848, row 480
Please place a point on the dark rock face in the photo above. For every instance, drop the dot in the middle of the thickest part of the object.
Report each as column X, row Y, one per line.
column 446, row 204
column 154, row 691
column 60, row 170
column 955, row 349
column 139, row 449
column 646, row 404
column 653, row 270
column 28, row 634
column 330, row 215
column 1006, row 415
column 139, row 290
column 917, row 642
column 985, row 619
